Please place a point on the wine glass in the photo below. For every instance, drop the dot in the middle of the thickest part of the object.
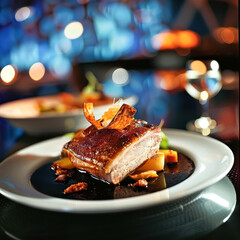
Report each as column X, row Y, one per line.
column 203, row 82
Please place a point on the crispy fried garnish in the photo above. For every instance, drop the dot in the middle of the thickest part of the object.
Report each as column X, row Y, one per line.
column 140, row 183
column 123, row 117
column 61, row 178
column 88, row 112
column 114, row 118
column 63, row 174
column 110, row 113
column 61, row 171
column 144, row 175
column 76, row 187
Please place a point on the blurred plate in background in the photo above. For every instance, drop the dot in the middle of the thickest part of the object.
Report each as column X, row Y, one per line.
column 25, row 114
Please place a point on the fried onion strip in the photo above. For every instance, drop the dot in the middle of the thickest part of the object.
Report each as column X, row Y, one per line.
column 122, row 118
column 110, row 113
column 88, row 112
column 114, row 118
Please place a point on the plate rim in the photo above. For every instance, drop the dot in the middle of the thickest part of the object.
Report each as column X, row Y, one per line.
column 46, row 202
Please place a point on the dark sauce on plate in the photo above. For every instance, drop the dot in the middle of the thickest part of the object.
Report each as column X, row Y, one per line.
column 43, row 180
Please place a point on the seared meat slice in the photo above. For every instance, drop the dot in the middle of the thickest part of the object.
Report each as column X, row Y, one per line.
column 112, row 154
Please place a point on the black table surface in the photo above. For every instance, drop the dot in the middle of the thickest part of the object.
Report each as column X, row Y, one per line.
column 36, row 220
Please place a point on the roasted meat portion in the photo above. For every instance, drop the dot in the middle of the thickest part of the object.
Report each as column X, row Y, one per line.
column 112, row 154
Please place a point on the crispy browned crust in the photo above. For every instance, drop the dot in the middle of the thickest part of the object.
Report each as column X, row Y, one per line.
column 121, row 119
column 80, row 186
column 95, row 149
column 140, row 183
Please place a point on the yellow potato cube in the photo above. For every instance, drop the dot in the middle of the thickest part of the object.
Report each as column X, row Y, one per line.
column 155, row 163
column 64, row 163
column 171, row 156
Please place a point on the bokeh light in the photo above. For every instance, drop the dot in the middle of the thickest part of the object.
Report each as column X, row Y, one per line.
column 175, row 39
column 24, row 13
column 119, row 13
column 214, row 65
column 188, row 39
column 170, row 81
column 198, row 66
column 7, row 74
column 121, row 42
column 83, row 31
column 227, row 35
column 37, row 71
column 104, row 26
column 78, row 30
column 165, row 40
column 73, row 30
column 204, row 96
column 143, row 15
column 120, row 76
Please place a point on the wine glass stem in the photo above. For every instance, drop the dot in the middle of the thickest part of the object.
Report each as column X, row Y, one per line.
column 205, row 108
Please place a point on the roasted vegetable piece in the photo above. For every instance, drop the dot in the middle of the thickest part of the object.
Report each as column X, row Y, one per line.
column 164, row 142
column 144, row 175
column 64, row 163
column 155, row 163
column 171, row 156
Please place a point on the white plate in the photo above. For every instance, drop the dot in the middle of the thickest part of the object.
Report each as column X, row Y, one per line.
column 213, row 160
column 24, row 114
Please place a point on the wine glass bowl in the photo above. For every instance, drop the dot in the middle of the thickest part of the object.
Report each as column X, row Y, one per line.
column 203, row 82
